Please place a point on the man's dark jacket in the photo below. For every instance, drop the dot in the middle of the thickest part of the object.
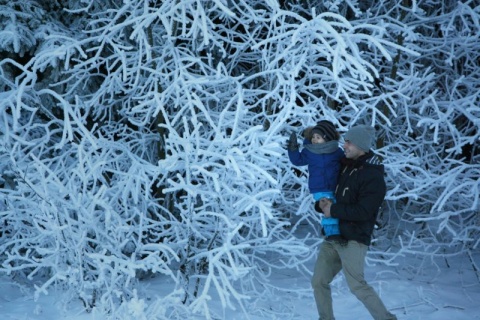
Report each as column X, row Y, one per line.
column 360, row 192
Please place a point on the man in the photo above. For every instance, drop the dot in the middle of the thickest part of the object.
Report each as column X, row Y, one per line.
column 359, row 194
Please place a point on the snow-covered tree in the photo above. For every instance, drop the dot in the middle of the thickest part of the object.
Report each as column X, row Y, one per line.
column 147, row 137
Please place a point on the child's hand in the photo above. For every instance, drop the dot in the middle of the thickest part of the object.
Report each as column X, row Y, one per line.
column 292, row 144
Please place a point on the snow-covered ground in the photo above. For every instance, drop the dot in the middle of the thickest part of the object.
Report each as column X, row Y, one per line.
column 452, row 294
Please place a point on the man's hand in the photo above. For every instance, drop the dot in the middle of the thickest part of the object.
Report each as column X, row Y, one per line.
column 325, row 205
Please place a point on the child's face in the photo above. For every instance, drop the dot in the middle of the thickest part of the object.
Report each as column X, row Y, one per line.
column 316, row 138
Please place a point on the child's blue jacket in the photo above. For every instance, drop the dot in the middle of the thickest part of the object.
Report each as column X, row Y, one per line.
column 323, row 162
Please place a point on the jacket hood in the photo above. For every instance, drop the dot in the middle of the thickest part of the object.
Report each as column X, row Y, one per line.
column 369, row 159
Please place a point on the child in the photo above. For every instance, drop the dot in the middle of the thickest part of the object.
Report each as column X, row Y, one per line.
column 322, row 154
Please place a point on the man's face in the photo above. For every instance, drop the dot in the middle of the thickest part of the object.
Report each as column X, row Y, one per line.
column 352, row 151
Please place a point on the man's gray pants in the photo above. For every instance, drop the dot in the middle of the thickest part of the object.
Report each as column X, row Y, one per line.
column 350, row 257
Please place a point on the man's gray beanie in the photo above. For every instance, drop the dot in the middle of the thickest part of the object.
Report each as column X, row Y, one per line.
column 362, row 136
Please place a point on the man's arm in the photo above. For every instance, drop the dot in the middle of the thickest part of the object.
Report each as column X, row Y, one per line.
column 369, row 200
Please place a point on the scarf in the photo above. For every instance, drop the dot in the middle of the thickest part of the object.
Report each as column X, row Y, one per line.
column 322, row 148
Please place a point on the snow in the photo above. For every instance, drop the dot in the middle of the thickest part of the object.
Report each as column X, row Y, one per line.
column 450, row 291
column 141, row 137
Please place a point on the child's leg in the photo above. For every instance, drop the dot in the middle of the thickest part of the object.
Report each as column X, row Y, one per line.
column 330, row 225
column 327, row 194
